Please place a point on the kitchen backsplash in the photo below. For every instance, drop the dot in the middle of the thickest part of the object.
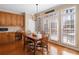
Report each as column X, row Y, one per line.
column 11, row 28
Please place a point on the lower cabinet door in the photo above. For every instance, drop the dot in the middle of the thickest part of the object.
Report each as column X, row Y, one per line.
column 3, row 37
column 7, row 37
column 11, row 36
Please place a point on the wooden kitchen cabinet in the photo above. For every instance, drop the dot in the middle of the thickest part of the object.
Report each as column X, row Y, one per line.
column 2, row 38
column 6, row 37
column 8, row 19
column 20, row 20
column 2, row 19
column 11, row 19
column 11, row 36
column 5, row 19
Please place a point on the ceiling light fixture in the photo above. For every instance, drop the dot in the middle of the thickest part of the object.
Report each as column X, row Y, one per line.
column 36, row 11
column 36, row 8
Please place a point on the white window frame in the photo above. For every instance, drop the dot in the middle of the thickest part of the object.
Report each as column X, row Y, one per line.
column 56, row 38
column 63, row 14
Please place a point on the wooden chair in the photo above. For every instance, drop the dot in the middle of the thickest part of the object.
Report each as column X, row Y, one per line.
column 43, row 45
column 28, row 45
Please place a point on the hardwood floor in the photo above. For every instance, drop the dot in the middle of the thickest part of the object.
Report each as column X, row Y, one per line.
column 55, row 49
column 16, row 48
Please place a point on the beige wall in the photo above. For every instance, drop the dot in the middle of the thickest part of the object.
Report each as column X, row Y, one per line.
column 29, row 23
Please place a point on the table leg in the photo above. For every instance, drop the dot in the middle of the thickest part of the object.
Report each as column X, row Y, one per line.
column 34, row 47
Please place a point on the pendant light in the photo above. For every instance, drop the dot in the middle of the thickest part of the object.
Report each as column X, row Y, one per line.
column 36, row 11
column 36, row 8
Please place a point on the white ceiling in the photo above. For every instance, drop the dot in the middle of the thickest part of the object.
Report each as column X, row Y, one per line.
column 28, row 8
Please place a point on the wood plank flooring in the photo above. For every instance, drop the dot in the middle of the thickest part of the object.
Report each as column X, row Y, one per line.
column 16, row 48
column 55, row 49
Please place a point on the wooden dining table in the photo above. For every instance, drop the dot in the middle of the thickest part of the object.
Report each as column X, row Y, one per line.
column 34, row 39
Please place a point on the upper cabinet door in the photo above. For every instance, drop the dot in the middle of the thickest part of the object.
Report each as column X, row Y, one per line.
column 20, row 20
column 8, row 19
column 2, row 19
column 13, row 20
